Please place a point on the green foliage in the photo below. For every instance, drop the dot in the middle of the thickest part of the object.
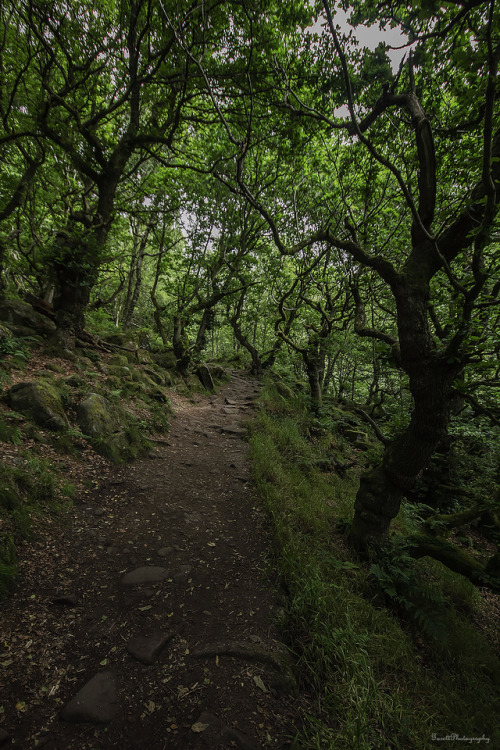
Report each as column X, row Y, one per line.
column 15, row 347
column 396, row 575
column 349, row 629
column 28, row 489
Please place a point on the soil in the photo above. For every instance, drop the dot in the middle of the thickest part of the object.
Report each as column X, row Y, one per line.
column 188, row 656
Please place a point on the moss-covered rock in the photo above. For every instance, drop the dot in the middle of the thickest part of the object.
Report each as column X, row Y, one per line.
column 157, row 394
column 121, row 371
column 23, row 320
column 74, row 381
column 117, row 338
column 119, row 360
column 358, row 438
column 140, row 356
column 40, row 401
column 193, row 384
column 113, row 382
column 98, row 417
column 166, row 359
column 109, row 428
column 154, row 376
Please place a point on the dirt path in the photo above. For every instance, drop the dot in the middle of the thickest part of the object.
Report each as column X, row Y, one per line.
column 164, row 606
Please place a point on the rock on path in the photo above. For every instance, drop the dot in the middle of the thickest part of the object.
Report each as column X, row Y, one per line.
column 96, row 702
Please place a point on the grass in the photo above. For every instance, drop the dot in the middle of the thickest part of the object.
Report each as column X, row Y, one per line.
column 374, row 679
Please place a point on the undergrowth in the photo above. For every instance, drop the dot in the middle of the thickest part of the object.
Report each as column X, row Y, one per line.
column 27, row 491
column 388, row 653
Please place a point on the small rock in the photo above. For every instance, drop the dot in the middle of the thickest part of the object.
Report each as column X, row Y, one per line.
column 146, row 649
column 206, row 718
column 4, row 737
column 146, row 574
column 164, row 551
column 234, row 430
column 69, row 600
column 99, row 511
column 241, row 740
column 96, row 702
column 182, row 573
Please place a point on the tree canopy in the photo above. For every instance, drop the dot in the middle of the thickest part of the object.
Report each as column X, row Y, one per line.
column 246, row 175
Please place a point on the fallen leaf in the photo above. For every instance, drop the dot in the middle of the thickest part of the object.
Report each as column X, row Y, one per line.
column 259, row 683
column 199, row 727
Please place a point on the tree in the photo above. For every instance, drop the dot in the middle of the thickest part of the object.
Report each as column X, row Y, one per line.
column 443, row 242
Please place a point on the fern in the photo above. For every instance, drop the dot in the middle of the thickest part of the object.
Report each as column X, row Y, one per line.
column 395, row 574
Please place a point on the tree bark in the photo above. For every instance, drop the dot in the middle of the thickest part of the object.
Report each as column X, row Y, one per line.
column 135, row 278
column 431, row 379
column 181, row 346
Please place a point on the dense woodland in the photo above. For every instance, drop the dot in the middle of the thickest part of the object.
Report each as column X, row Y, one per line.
column 246, row 179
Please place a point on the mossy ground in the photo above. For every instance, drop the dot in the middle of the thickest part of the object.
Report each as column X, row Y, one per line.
column 377, row 680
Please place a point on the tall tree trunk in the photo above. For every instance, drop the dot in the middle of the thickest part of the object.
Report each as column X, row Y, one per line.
column 206, row 325
column 431, row 379
column 135, row 279
column 76, row 270
column 77, row 259
column 181, row 346
column 2, row 270
column 314, row 378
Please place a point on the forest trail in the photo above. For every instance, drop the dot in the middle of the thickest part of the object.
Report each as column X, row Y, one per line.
column 155, row 590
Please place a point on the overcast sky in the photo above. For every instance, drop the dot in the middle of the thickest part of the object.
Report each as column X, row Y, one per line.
column 370, row 36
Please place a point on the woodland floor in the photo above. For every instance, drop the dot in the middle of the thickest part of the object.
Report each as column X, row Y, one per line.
column 189, row 509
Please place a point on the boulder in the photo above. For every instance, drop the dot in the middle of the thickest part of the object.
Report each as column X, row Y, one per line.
column 167, row 360
column 98, row 417
column 116, row 338
column 218, row 372
column 107, row 426
column 120, row 371
column 205, row 377
column 119, row 360
column 157, row 395
column 23, row 319
column 154, row 376
column 39, row 400
column 140, row 356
